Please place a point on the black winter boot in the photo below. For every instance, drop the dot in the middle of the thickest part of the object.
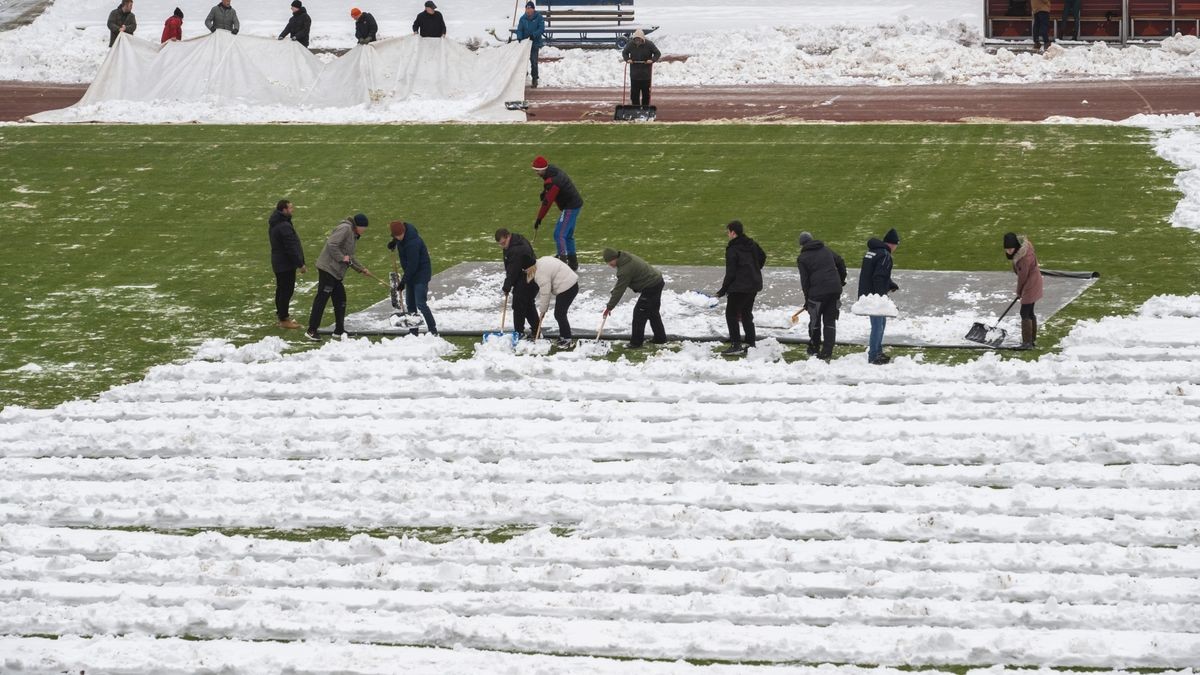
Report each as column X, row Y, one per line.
column 814, row 341
column 563, row 257
column 572, row 262
column 827, row 345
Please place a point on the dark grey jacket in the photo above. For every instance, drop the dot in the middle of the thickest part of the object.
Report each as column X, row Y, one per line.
column 643, row 52
column 822, row 272
column 342, row 242
column 221, row 17
column 116, row 19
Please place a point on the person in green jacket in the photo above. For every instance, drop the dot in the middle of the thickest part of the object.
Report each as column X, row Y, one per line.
column 647, row 282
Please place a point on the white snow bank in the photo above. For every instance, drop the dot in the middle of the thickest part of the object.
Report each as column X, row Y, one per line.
column 268, row 349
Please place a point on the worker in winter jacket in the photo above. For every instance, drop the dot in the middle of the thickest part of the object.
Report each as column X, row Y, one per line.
column 636, row 274
column 222, row 17
column 299, row 25
column 875, row 278
column 173, row 28
column 558, row 189
column 366, row 30
column 287, row 256
column 744, row 260
column 640, row 54
column 121, row 20
column 429, row 23
column 1029, row 283
column 553, row 277
column 822, row 276
column 336, row 258
column 1041, row 24
column 418, row 271
column 532, row 27
column 519, row 256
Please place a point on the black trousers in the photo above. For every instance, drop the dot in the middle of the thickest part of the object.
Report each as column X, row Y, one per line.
column 823, row 311
column 647, row 310
column 739, row 308
column 523, row 306
column 1027, row 312
column 285, row 288
column 562, row 303
column 639, row 92
column 328, row 286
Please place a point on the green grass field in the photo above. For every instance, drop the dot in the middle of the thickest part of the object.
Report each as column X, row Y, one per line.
column 125, row 247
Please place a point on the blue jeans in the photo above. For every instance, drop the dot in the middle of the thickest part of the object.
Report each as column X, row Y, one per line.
column 1070, row 8
column 415, row 295
column 1041, row 28
column 533, row 63
column 875, row 344
column 564, row 231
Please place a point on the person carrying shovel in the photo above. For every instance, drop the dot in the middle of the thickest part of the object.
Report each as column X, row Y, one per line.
column 822, row 276
column 1029, row 283
column 519, row 256
column 640, row 54
column 647, row 282
column 418, row 271
column 335, row 259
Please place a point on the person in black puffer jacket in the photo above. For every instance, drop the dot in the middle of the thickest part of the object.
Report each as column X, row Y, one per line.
column 744, row 260
column 822, row 276
column 299, row 25
column 287, row 256
column 875, row 278
column 518, row 257
column 418, row 271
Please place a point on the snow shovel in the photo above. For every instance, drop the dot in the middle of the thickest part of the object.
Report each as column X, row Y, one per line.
column 993, row 336
column 516, row 105
column 394, row 277
column 796, row 316
column 503, row 335
column 633, row 113
column 600, row 330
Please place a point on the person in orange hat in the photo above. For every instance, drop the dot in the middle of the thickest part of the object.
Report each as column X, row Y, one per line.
column 365, row 28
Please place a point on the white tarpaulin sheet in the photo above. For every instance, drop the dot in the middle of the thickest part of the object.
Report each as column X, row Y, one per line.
column 226, row 78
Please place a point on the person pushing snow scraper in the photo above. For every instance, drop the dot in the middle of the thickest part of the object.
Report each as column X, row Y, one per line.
column 637, row 275
column 418, row 271
column 875, row 278
column 554, row 277
column 1020, row 251
column 744, row 260
column 335, row 259
column 822, row 276
column 558, row 189
column 519, row 256
column 121, row 20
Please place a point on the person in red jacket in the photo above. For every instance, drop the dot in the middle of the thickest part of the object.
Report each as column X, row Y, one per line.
column 173, row 28
column 1029, row 283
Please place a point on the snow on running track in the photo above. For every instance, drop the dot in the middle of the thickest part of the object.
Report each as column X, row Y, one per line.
column 996, row 512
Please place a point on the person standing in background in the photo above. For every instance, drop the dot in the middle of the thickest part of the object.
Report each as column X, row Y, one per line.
column 173, row 28
column 640, row 54
column 121, row 20
column 429, row 22
column 287, row 256
column 222, row 17
column 532, row 26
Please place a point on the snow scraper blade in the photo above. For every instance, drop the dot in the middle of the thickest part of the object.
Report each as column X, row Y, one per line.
column 994, row 336
column 516, row 105
column 635, row 113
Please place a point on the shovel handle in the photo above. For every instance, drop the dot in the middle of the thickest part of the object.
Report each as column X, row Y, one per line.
column 1006, row 310
column 503, row 312
column 381, row 281
column 600, row 330
column 541, row 318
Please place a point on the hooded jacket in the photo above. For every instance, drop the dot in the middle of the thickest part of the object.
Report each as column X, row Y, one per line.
column 1028, row 271
column 298, row 27
column 822, row 271
column 286, row 252
column 744, row 260
column 221, row 17
column 533, row 29
column 342, row 242
column 414, row 257
column 172, row 29
column 118, row 18
column 518, row 257
column 634, row 273
column 639, row 54
column 875, row 277
column 552, row 277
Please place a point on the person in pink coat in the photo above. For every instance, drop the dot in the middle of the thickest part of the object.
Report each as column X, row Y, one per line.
column 173, row 28
column 1029, row 283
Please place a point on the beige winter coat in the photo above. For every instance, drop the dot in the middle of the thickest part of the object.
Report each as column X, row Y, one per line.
column 552, row 276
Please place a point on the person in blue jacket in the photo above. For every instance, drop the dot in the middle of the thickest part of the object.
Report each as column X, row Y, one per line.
column 532, row 26
column 414, row 260
column 875, row 278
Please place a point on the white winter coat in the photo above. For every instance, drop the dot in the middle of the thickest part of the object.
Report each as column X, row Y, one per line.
column 552, row 276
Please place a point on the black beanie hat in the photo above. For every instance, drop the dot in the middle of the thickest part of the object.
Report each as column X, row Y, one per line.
column 891, row 237
column 179, row 12
column 360, row 220
column 297, row 4
column 1010, row 241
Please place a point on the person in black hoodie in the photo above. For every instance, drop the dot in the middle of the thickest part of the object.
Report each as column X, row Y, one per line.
column 822, row 276
column 744, row 260
column 875, row 278
column 519, row 256
column 287, row 256
column 299, row 25
column 418, row 271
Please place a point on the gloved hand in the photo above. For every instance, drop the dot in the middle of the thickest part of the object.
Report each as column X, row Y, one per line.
column 392, row 245
column 536, row 223
column 400, row 288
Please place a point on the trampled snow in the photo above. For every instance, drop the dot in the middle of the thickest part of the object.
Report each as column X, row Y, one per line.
column 1000, row 511
column 752, row 42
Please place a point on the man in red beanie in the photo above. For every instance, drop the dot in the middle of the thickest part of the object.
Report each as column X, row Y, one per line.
column 557, row 188
column 365, row 28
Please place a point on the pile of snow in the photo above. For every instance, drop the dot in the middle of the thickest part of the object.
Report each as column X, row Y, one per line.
column 755, row 42
column 238, row 78
column 267, row 349
column 688, row 507
column 874, row 305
